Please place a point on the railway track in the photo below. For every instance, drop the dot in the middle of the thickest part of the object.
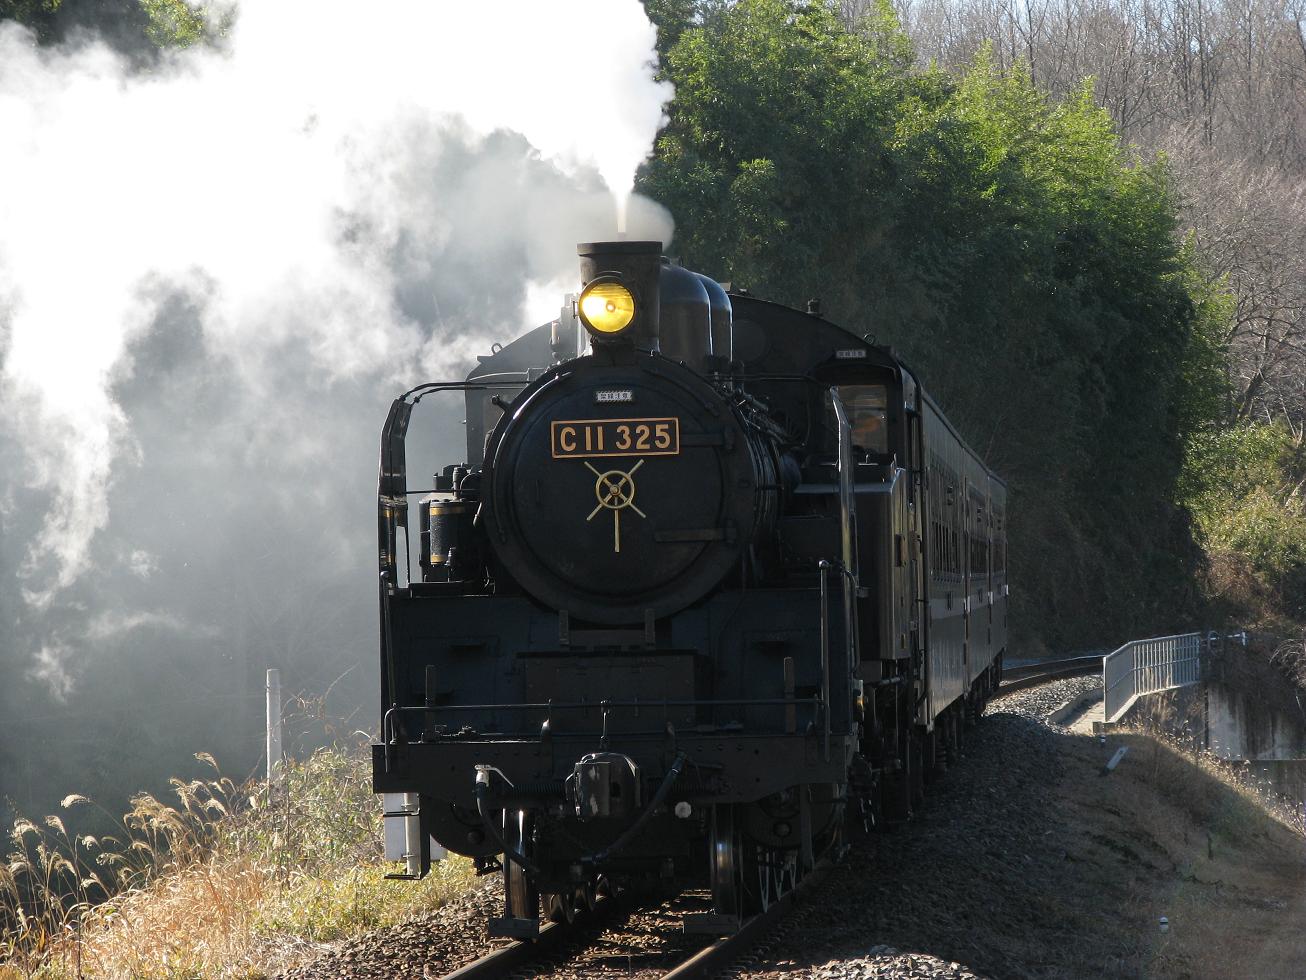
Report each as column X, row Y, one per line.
column 1032, row 675
column 637, row 935
column 599, row 944
column 561, row 950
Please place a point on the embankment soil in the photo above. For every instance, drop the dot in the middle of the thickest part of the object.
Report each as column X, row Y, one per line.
column 1029, row 862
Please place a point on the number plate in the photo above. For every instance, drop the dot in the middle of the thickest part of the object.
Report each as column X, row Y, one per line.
column 581, row 438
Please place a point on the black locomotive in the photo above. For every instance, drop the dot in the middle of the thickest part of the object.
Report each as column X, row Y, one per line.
column 697, row 596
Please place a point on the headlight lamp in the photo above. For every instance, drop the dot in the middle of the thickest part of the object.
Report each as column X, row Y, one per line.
column 606, row 306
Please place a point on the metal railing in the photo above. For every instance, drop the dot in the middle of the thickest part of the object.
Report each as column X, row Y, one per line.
column 1162, row 663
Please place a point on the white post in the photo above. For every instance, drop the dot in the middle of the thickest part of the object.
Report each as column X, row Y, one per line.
column 274, row 731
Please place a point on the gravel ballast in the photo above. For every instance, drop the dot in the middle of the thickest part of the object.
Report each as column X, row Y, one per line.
column 954, row 893
column 428, row 946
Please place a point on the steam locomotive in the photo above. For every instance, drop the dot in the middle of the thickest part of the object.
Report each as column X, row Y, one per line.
column 715, row 577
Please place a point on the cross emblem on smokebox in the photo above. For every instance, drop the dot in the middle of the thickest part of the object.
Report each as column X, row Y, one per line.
column 615, row 490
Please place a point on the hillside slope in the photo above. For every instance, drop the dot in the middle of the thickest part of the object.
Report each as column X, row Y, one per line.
column 1028, row 862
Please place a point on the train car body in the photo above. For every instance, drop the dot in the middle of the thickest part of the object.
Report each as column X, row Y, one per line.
column 696, row 596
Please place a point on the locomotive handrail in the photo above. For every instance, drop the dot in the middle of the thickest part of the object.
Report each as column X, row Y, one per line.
column 846, row 564
column 848, row 529
column 633, row 703
column 395, row 431
column 850, row 580
column 393, row 493
column 480, row 384
column 825, row 653
column 389, row 728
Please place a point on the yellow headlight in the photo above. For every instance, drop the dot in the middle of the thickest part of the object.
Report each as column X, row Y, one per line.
column 607, row 307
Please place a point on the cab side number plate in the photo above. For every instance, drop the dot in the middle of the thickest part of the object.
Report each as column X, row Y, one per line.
column 582, row 438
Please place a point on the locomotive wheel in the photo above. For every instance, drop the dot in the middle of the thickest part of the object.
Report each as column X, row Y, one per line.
column 870, row 808
column 868, row 805
column 587, row 896
column 584, row 899
column 725, row 867
column 560, row 907
column 521, row 899
column 776, row 871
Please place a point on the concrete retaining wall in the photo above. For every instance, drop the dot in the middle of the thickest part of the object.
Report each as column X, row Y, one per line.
column 1241, row 727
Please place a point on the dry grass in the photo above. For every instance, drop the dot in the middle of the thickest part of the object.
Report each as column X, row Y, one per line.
column 236, row 918
column 1250, row 882
column 219, row 884
column 1182, row 834
column 1173, row 720
column 1289, row 658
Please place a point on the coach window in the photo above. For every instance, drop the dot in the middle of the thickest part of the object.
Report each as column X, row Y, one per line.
column 867, row 407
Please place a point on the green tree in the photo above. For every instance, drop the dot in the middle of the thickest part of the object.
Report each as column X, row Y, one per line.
column 173, row 23
column 1245, row 485
column 138, row 27
column 39, row 15
column 672, row 18
column 1004, row 242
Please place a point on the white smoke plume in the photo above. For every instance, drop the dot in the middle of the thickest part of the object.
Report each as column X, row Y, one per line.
column 309, row 190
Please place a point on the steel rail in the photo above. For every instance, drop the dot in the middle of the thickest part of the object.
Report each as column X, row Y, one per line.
column 500, row 962
column 506, row 960
column 727, row 949
column 1032, row 675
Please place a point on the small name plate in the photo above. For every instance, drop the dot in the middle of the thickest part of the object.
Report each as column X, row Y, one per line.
column 581, row 438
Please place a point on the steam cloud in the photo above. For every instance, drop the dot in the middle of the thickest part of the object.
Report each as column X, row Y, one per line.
column 214, row 276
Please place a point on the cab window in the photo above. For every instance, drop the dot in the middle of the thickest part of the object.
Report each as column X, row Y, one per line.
column 867, row 407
